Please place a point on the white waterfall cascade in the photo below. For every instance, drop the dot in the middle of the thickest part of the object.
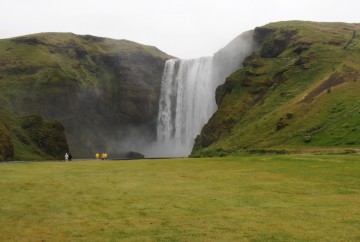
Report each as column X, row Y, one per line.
column 187, row 98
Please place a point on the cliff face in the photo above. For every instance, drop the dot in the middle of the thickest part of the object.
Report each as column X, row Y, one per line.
column 100, row 89
column 298, row 90
column 6, row 144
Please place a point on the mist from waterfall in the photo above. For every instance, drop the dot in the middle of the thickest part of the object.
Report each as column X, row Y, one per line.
column 187, row 98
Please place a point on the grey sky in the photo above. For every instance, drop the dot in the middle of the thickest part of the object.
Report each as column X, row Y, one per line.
column 182, row 28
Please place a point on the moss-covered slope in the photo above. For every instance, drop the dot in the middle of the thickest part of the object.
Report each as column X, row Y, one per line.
column 30, row 137
column 298, row 90
column 99, row 88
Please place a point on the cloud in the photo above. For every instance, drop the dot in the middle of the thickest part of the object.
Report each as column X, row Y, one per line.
column 183, row 28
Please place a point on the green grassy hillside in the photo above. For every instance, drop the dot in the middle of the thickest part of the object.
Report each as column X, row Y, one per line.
column 298, row 90
column 99, row 88
column 30, row 137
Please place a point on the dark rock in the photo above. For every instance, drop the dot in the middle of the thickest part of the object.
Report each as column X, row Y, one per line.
column 279, row 77
column 28, row 40
column 334, row 80
column 274, row 48
column 272, row 45
column 223, row 90
column 134, row 155
column 289, row 115
column 80, row 52
column 205, row 139
column 281, row 124
column 253, row 61
column 302, row 47
column 307, row 138
column 336, row 43
column 249, row 73
column 302, row 61
column 261, row 33
column 92, row 38
column 246, row 82
column 6, row 144
column 49, row 136
column 284, row 121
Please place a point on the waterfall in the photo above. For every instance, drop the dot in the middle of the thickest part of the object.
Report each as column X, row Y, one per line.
column 185, row 104
column 187, row 97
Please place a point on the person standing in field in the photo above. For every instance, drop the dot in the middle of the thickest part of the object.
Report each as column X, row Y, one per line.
column 66, row 156
column 97, row 156
column 105, row 156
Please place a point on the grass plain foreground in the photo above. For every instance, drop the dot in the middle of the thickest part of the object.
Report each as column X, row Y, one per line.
column 245, row 198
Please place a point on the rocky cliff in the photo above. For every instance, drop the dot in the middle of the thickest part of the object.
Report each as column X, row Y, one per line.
column 102, row 90
column 298, row 90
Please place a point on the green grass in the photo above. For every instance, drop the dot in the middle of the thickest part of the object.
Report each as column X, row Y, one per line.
column 86, row 78
column 277, row 86
column 248, row 198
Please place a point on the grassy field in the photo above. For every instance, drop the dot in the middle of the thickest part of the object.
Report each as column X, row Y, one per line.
column 248, row 198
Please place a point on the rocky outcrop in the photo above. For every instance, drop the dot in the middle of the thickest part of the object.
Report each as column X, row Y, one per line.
column 6, row 144
column 273, row 42
column 30, row 138
column 49, row 136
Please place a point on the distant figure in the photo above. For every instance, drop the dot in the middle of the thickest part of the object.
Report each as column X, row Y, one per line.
column 97, row 156
column 105, row 155
column 66, row 156
column 70, row 156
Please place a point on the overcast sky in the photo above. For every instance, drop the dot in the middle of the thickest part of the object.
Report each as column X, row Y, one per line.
column 182, row 28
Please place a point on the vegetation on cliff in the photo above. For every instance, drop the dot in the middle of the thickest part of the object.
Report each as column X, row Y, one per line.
column 98, row 88
column 298, row 90
column 30, row 137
